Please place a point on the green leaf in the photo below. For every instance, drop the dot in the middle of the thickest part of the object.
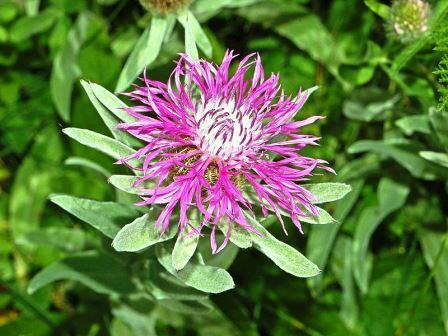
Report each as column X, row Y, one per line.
column 145, row 52
column 391, row 197
column 201, row 277
column 125, row 183
column 369, row 104
column 284, row 256
column 108, row 118
column 323, row 218
column 197, row 36
column 407, row 54
column 140, row 234
column 100, row 272
column 238, row 236
column 107, row 217
column 328, row 192
column 378, row 8
column 33, row 182
column 309, row 34
column 27, row 27
column 65, row 68
column 109, row 146
column 342, row 267
column 415, row 123
column 439, row 121
column 111, row 102
column 321, row 238
column 164, row 285
column 82, row 162
column 185, row 246
column 139, row 314
column 187, row 307
column 190, row 40
column 396, row 150
column 435, row 251
column 64, row 239
column 438, row 158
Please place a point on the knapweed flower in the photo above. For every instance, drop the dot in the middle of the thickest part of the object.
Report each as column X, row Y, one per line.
column 164, row 6
column 212, row 138
column 408, row 19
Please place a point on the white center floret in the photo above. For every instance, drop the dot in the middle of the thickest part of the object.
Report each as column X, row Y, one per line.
column 224, row 131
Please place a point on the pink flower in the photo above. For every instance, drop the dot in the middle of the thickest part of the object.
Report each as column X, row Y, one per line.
column 210, row 140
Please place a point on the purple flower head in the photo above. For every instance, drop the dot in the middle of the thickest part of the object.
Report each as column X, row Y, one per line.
column 210, row 139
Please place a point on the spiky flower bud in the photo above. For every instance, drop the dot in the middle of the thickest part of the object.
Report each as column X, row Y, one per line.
column 408, row 19
column 164, row 6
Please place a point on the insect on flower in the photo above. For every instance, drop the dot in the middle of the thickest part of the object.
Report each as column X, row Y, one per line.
column 209, row 141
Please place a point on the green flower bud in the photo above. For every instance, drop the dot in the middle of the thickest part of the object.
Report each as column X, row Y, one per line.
column 164, row 6
column 408, row 19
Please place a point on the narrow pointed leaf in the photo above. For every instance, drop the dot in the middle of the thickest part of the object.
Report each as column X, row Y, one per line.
column 323, row 218
column 111, row 102
column 109, row 146
column 109, row 119
column 328, row 192
column 145, row 52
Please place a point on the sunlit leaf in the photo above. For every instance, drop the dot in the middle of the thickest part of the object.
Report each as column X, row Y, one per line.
column 100, row 142
column 284, row 256
column 202, row 277
column 144, row 53
column 328, row 192
column 107, row 217
column 140, row 234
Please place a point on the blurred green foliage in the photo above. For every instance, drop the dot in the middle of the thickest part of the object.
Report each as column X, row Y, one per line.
column 385, row 263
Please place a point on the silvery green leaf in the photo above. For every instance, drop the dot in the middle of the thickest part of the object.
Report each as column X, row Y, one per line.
column 65, row 66
column 125, row 183
column 328, row 192
column 111, row 102
column 145, row 52
column 103, row 216
column 140, row 234
column 109, row 119
column 284, row 256
column 199, row 35
column 205, row 278
column 238, row 236
column 100, row 142
column 190, row 40
column 164, row 285
column 185, row 245
column 323, row 218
